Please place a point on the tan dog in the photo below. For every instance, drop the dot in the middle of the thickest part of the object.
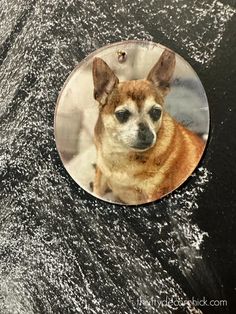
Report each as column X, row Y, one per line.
column 142, row 152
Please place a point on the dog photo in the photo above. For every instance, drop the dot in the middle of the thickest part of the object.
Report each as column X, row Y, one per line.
column 140, row 149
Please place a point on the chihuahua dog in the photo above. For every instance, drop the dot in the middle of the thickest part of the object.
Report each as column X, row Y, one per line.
column 142, row 152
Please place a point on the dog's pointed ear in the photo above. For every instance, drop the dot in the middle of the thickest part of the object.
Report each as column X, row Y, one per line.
column 104, row 80
column 162, row 72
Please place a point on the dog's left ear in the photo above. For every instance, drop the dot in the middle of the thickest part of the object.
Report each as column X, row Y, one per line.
column 104, row 80
column 162, row 72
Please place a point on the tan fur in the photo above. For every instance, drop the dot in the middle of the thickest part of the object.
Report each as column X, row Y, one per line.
column 142, row 176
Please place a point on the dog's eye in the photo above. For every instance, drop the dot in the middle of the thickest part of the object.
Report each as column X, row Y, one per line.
column 122, row 115
column 155, row 113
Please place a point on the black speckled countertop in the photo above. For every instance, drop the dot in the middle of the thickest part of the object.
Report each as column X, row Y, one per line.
column 62, row 251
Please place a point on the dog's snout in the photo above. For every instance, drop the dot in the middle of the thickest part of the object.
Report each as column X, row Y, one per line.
column 144, row 133
column 145, row 136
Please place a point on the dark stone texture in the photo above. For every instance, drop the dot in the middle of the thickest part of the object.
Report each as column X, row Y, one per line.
column 62, row 251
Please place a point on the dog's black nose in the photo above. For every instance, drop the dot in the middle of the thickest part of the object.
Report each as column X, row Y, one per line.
column 144, row 133
column 145, row 136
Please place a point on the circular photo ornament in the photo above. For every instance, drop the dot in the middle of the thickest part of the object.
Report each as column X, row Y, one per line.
column 131, row 122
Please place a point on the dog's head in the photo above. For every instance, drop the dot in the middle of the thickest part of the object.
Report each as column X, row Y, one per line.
column 131, row 111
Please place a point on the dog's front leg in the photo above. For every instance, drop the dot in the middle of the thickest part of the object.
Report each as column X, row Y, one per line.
column 100, row 185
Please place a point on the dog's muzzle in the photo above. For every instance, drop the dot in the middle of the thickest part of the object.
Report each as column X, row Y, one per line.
column 145, row 137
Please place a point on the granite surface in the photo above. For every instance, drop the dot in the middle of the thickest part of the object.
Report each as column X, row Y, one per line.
column 61, row 250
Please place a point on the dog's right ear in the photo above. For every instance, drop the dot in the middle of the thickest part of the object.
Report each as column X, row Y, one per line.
column 162, row 72
column 104, row 80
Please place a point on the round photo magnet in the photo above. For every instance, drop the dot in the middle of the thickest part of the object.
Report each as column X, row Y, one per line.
column 131, row 122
